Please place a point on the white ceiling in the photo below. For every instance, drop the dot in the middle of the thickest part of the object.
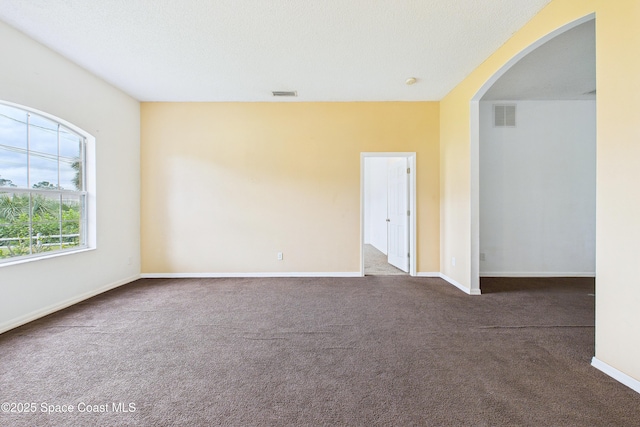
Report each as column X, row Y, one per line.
column 241, row 50
column 564, row 68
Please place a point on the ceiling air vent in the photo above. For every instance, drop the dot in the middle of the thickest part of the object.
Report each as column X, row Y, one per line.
column 504, row 116
column 284, row 93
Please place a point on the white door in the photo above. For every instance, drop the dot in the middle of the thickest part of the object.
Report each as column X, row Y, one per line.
column 398, row 214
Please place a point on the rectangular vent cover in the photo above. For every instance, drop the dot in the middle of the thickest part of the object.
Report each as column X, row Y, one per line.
column 504, row 116
column 284, row 93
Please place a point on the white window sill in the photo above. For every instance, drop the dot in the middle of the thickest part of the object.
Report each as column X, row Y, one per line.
column 35, row 258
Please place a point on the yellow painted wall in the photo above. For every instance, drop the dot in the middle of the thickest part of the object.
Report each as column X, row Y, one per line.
column 618, row 174
column 225, row 186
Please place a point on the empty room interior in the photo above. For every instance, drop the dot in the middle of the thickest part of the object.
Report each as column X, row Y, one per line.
column 320, row 213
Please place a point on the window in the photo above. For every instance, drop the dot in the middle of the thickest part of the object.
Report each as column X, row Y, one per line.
column 43, row 195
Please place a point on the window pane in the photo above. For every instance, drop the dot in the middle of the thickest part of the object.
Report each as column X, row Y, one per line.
column 45, row 222
column 72, row 221
column 13, row 147
column 43, row 172
column 14, row 225
column 43, row 153
column 70, row 160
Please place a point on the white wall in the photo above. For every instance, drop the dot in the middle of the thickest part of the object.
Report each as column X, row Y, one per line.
column 537, row 190
column 34, row 76
column 375, row 186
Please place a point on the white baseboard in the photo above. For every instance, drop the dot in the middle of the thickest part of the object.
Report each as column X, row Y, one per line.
column 428, row 274
column 14, row 323
column 536, row 274
column 625, row 379
column 460, row 285
column 247, row 275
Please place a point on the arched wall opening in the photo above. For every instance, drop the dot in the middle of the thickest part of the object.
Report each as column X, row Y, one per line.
column 475, row 137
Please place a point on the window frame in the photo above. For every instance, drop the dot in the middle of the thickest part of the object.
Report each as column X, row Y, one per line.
column 86, row 196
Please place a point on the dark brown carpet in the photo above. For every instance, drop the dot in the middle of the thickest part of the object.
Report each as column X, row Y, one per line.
column 368, row 351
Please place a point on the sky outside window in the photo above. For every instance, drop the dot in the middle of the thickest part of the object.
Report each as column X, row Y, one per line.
column 48, row 161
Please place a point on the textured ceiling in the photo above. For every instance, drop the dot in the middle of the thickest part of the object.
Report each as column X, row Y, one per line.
column 241, row 50
column 561, row 69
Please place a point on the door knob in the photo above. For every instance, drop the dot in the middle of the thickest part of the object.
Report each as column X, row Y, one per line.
column 388, row 220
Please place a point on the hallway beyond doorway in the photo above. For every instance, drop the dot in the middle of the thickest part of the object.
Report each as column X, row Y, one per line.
column 376, row 263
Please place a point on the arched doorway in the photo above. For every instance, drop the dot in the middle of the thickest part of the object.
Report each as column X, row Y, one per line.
column 475, row 114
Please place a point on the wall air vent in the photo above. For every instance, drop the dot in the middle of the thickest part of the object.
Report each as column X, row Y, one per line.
column 285, row 93
column 504, row 115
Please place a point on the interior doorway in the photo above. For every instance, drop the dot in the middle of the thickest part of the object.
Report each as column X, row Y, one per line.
column 387, row 214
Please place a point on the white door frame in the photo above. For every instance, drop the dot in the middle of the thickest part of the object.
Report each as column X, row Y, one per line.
column 411, row 162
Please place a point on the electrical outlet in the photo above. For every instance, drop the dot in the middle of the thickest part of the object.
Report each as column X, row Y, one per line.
column 453, row 261
column 483, row 256
column 279, row 256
